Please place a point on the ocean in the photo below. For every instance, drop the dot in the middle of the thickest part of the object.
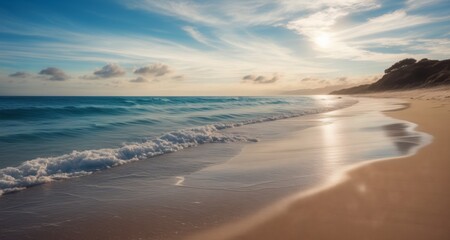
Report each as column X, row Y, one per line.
column 167, row 167
column 52, row 138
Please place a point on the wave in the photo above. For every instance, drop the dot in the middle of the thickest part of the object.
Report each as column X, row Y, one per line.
column 80, row 163
column 31, row 113
column 46, row 134
column 188, row 100
column 127, row 106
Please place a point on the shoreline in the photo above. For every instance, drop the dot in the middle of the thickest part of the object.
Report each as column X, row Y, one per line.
column 222, row 182
column 362, row 212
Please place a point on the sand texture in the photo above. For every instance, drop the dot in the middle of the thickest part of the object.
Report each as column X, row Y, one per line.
column 404, row 198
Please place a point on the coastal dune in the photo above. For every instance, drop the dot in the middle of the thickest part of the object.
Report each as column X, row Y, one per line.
column 404, row 198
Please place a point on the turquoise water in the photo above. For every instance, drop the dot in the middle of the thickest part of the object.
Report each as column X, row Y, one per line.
column 48, row 138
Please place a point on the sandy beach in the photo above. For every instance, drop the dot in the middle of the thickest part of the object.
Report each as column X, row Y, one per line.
column 402, row 198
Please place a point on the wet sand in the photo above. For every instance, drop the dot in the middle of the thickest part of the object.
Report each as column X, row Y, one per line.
column 403, row 198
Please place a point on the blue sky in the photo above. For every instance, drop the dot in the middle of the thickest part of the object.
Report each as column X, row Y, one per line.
column 220, row 47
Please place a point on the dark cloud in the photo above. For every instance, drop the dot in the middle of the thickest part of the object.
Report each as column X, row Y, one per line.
column 312, row 80
column 156, row 70
column 308, row 79
column 260, row 79
column 54, row 74
column 110, row 70
column 178, row 77
column 324, row 82
column 19, row 75
column 249, row 77
column 342, row 79
column 139, row 80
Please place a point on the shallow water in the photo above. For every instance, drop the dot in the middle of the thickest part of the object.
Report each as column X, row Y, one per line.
column 196, row 188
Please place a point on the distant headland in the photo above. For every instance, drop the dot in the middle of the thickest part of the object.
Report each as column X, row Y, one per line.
column 407, row 74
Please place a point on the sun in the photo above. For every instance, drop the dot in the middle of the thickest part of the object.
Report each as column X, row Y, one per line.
column 323, row 40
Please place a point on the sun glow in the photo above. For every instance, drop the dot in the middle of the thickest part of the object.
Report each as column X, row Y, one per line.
column 323, row 40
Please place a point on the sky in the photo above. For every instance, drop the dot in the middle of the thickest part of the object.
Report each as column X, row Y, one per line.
column 216, row 47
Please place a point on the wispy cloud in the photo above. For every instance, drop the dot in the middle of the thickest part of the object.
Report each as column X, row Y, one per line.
column 416, row 4
column 244, row 13
column 195, row 34
column 358, row 42
column 384, row 23
column 316, row 23
column 295, row 38
column 237, row 54
column 186, row 10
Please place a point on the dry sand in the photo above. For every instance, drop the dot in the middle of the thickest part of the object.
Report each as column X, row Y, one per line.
column 404, row 198
column 437, row 93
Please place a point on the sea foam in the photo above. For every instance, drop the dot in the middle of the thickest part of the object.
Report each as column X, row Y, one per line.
column 79, row 163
